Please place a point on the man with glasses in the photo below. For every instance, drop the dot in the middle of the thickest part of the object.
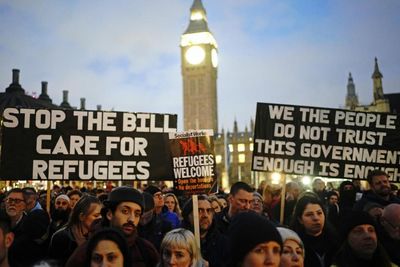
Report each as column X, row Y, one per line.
column 389, row 232
column 27, row 229
column 15, row 207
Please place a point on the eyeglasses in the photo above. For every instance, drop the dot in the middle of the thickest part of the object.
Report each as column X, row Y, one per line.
column 395, row 227
column 14, row 200
column 159, row 195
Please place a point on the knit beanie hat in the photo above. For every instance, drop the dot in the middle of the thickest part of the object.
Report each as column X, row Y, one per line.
column 151, row 189
column 246, row 231
column 63, row 196
column 288, row 234
column 354, row 219
column 257, row 195
column 124, row 194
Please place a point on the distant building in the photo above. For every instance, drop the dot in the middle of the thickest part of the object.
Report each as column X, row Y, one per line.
column 199, row 61
column 381, row 103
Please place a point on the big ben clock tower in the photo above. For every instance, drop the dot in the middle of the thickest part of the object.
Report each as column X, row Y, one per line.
column 199, row 59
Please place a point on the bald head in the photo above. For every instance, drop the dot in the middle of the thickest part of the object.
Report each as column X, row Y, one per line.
column 391, row 220
column 392, row 211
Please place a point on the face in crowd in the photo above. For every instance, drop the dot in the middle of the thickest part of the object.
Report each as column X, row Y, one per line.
column 170, row 203
column 292, row 254
column 125, row 217
column 240, row 202
column 264, row 254
column 158, row 200
column 257, row 205
column 61, row 204
column 313, row 219
column 93, row 214
column 176, row 256
column 206, row 214
column 333, row 199
column 380, row 185
column 73, row 199
column 107, row 253
column 363, row 240
column 216, row 206
column 15, row 204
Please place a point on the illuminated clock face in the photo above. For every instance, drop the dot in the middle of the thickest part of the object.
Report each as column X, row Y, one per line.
column 195, row 55
column 214, row 58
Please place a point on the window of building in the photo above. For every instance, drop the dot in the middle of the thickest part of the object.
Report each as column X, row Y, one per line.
column 251, row 146
column 218, row 159
column 241, row 147
column 242, row 158
column 230, row 146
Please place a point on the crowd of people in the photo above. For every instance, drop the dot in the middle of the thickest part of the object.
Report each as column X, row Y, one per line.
column 151, row 226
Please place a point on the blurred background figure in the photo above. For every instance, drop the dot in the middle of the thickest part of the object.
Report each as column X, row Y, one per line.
column 215, row 204
column 172, row 203
column 318, row 187
column 74, row 196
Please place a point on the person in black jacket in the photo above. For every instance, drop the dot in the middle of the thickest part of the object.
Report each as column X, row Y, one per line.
column 75, row 233
column 309, row 222
column 122, row 210
column 212, row 242
column 360, row 247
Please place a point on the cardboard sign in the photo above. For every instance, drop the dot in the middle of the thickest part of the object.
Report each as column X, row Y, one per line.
column 193, row 162
column 40, row 144
column 325, row 142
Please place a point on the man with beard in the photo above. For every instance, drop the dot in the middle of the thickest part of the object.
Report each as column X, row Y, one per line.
column 213, row 243
column 60, row 214
column 380, row 191
column 6, row 238
column 122, row 210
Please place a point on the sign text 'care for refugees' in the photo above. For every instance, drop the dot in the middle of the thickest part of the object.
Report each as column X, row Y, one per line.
column 325, row 142
column 42, row 144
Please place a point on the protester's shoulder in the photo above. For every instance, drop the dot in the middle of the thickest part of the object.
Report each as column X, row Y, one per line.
column 62, row 235
column 144, row 243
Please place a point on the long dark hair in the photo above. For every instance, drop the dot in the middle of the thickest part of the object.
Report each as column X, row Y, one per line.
column 113, row 235
column 299, row 209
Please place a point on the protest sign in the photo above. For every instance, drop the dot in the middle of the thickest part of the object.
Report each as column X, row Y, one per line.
column 194, row 162
column 325, row 142
column 40, row 144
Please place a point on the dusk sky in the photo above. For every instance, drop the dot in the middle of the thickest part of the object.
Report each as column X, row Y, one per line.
column 125, row 55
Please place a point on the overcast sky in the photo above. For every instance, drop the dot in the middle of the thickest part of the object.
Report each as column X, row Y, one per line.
column 125, row 55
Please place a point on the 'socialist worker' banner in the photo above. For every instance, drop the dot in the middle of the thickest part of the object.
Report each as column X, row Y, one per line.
column 194, row 162
column 40, row 144
column 325, row 142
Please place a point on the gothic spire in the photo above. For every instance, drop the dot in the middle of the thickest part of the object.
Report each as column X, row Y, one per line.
column 377, row 73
